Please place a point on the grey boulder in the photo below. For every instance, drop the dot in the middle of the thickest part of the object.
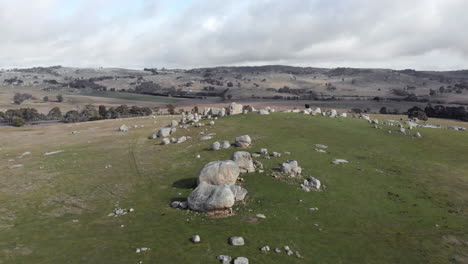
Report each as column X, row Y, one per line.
column 219, row 172
column 244, row 161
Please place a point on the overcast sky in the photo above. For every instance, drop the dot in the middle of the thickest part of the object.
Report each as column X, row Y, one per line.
column 417, row 34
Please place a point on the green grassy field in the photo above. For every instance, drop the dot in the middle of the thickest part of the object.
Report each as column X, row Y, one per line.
column 133, row 97
column 399, row 200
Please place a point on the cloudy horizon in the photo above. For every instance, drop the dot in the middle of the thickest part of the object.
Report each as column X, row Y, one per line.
column 397, row 34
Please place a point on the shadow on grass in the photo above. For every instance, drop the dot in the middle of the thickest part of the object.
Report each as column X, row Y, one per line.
column 188, row 183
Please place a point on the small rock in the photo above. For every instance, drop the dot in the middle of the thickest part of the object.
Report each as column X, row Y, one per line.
column 225, row 144
column 276, row 154
column 224, row 259
column 165, row 141
column 264, row 151
column 265, row 249
column 261, row 216
column 277, row 250
column 215, row 146
column 339, row 161
column 321, row 146
column 196, row 239
column 241, row 260
column 236, row 241
column 175, row 204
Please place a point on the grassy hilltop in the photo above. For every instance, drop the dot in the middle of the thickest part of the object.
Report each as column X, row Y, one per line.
column 400, row 199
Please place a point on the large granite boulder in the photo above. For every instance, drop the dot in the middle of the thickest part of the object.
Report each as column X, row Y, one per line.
column 244, row 161
column 243, row 141
column 235, row 109
column 219, row 172
column 207, row 197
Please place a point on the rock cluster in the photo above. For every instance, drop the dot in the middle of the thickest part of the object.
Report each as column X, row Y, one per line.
column 291, row 167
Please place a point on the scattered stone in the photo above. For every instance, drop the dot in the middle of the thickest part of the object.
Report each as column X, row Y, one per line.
column 139, row 250
column 241, row 260
column 339, row 161
column 173, row 140
column 198, row 156
column 123, row 128
column 236, row 241
column 320, row 150
column 258, row 164
column 276, row 154
column 53, row 152
column 165, row 141
column 244, row 161
column 183, row 205
column 305, row 188
column 265, row 249
column 224, row 259
column 215, row 146
column 181, row 140
column 225, row 144
column 291, row 167
column 16, row 166
column 24, row 154
column 211, row 123
column 288, row 251
column 206, row 138
column 261, row 216
column 164, row 132
column 264, row 151
column 402, row 130
column 196, row 239
column 235, row 109
column 321, row 146
column 219, row 172
column 174, row 123
column 243, row 141
column 175, row 204
column 277, row 250
column 418, row 135
column 287, row 153
column 76, row 132
column 263, row 112
column 313, row 182
column 239, row 192
column 255, row 155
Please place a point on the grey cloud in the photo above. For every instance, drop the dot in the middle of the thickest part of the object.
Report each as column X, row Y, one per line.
column 421, row 34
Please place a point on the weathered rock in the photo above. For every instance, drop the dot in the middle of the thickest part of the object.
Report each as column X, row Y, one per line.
column 343, row 115
column 239, row 192
column 320, row 150
column 219, row 172
column 332, row 113
column 164, row 132
column 224, row 259
column 418, row 135
column 316, row 111
column 236, row 241
column 215, row 146
column 225, row 144
column 181, row 139
column 402, row 130
column 339, row 161
column 263, row 112
column 165, row 141
column 264, row 151
column 258, row 164
column 195, row 239
column 123, row 128
column 243, row 141
column 174, row 123
column 207, row 197
column 211, row 123
column 241, row 260
column 265, row 249
column 173, row 140
column 206, row 138
column 313, row 182
column 175, row 204
column 235, row 109
column 305, row 188
column 291, row 168
column 183, row 205
column 321, row 146
column 244, row 161
column 276, row 154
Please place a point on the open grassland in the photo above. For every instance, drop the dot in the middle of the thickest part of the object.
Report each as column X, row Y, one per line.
column 399, row 200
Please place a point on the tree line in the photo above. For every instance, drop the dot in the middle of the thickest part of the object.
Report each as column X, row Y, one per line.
column 19, row 117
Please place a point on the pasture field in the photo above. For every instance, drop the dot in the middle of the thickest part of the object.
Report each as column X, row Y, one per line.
column 400, row 199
